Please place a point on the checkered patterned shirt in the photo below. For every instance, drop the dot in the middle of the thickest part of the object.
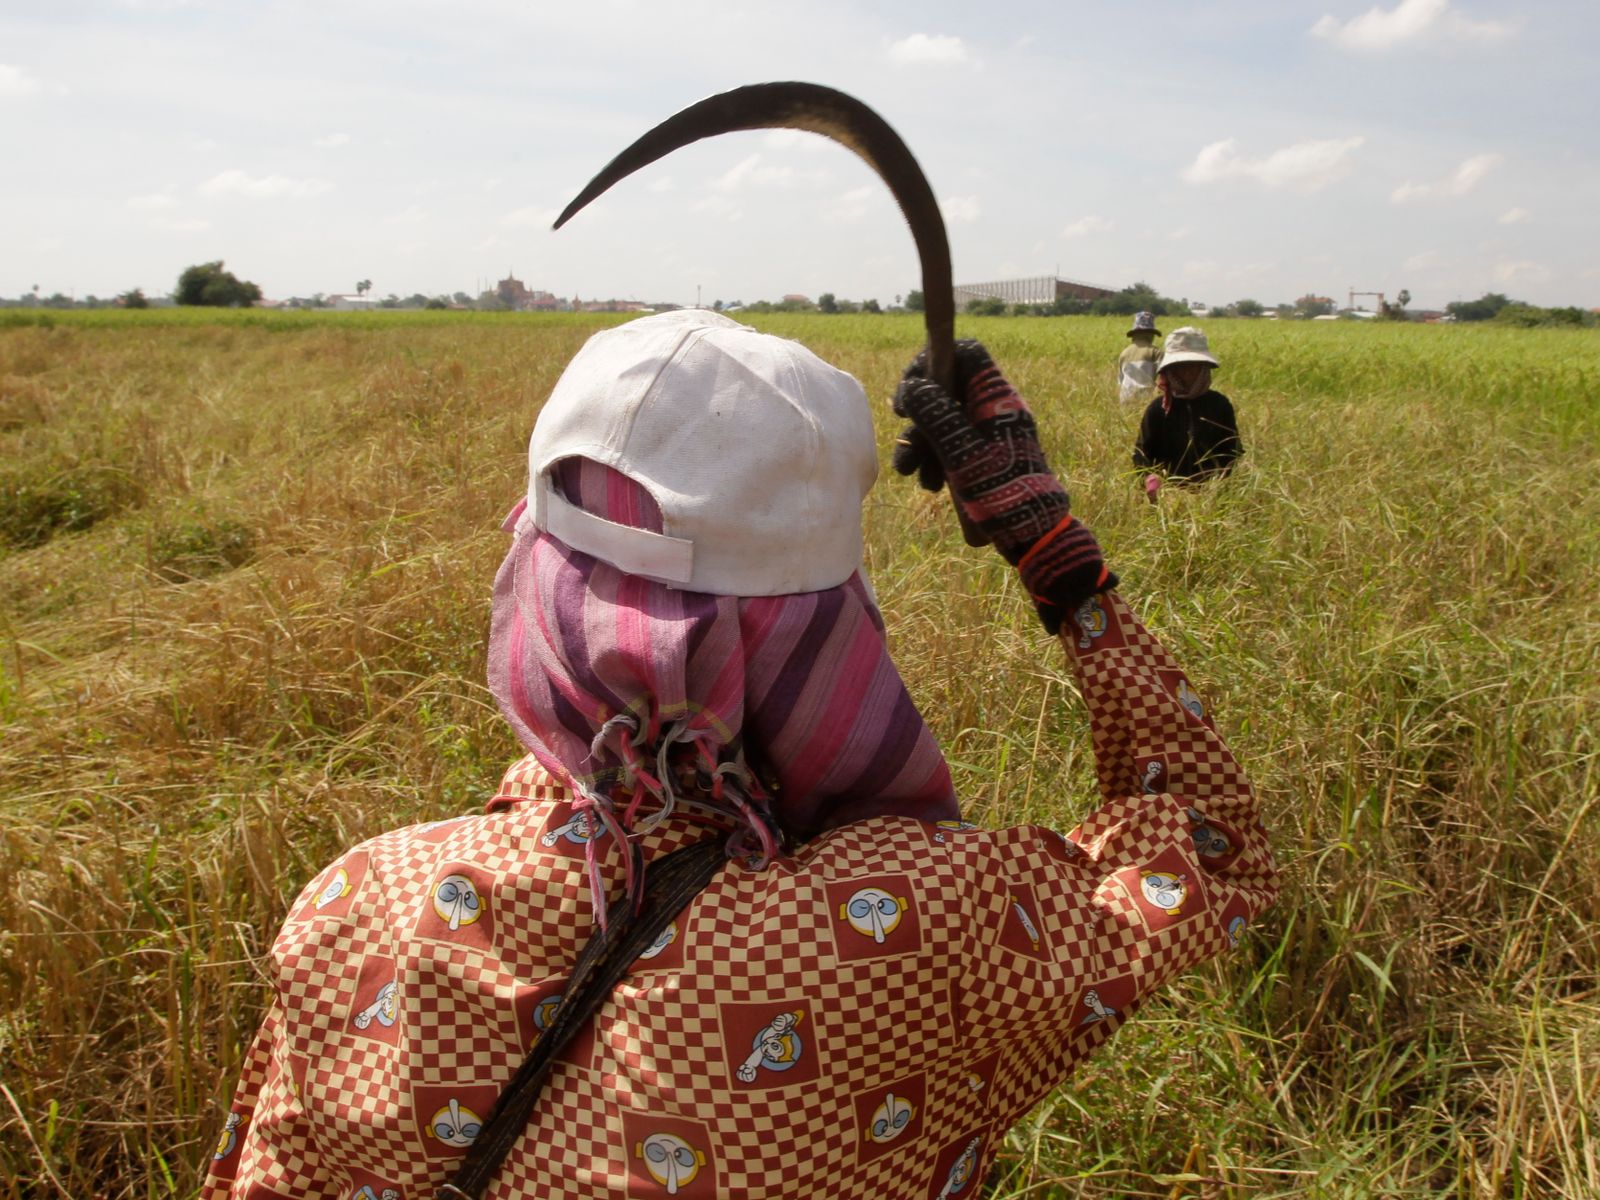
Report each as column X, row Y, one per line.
column 862, row 1019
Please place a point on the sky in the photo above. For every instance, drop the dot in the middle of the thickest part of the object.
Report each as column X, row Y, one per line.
column 1217, row 151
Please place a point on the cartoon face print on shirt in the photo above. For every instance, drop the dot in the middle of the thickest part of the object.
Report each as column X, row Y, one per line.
column 568, row 832
column 1164, row 890
column 1160, row 893
column 1235, row 919
column 1214, row 841
column 1094, row 625
column 1179, row 688
column 667, row 1156
column 331, row 893
column 447, row 1118
column 1102, row 1001
column 535, row 1008
column 670, row 1161
column 873, row 916
column 956, row 1168
column 1020, row 928
column 873, row 912
column 666, row 952
column 940, row 832
column 889, row 1116
column 455, row 1124
column 228, row 1140
column 769, row 1045
column 1091, row 619
column 1152, row 776
column 577, row 829
column 366, row 1185
column 458, row 906
column 777, row 1046
column 375, row 1004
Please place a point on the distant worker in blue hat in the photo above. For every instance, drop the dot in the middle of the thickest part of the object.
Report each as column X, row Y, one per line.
column 1136, row 365
column 1189, row 432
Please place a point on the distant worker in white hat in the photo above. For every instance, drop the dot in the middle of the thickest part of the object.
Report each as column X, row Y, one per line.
column 1136, row 365
column 1189, row 433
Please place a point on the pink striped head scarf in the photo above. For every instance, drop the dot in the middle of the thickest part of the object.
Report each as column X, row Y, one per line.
column 617, row 684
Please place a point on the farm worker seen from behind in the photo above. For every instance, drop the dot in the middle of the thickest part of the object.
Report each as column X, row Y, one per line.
column 1136, row 365
column 869, row 991
column 1188, row 432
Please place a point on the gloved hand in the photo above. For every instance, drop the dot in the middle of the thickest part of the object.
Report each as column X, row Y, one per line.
column 1152, row 485
column 986, row 447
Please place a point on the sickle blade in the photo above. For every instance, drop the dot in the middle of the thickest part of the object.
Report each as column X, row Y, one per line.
column 846, row 120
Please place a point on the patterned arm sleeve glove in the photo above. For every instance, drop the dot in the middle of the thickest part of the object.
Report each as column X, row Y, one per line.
column 986, row 447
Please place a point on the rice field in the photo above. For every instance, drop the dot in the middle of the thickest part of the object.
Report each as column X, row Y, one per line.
column 245, row 562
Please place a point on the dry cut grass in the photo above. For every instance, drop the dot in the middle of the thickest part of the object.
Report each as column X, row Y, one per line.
column 244, row 576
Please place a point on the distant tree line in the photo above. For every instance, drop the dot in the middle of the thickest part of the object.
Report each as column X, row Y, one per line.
column 211, row 284
column 1497, row 307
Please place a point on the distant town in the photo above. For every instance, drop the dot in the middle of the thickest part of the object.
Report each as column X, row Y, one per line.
column 209, row 284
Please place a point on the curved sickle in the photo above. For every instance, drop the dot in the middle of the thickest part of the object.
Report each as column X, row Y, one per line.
column 818, row 109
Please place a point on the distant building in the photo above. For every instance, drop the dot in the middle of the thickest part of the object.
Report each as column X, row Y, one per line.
column 512, row 292
column 796, row 298
column 1040, row 289
column 352, row 302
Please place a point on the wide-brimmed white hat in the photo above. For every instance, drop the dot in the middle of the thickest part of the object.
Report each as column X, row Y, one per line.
column 757, row 452
column 1186, row 345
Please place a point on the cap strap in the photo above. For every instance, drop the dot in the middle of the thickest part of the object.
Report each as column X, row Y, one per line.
column 635, row 551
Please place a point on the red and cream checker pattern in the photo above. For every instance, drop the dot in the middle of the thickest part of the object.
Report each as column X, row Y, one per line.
column 1001, row 959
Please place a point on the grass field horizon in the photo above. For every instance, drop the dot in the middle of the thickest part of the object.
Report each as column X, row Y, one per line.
column 245, row 564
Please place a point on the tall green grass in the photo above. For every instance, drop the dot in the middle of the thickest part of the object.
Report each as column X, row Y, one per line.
column 266, row 642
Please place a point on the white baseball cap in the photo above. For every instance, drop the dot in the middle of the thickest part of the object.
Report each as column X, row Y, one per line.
column 757, row 452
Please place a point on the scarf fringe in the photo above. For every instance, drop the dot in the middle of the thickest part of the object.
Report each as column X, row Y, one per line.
column 736, row 798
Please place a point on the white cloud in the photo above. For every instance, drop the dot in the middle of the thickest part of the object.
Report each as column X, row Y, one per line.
column 531, row 217
column 1520, row 271
column 1458, row 183
column 960, row 210
column 1427, row 260
column 181, row 225
column 660, row 185
column 1306, row 166
column 1084, row 226
column 1178, row 234
column 754, row 171
column 153, row 201
column 410, row 215
column 1514, row 216
column 719, row 206
column 237, row 183
column 14, row 81
column 1380, row 29
column 1229, row 273
column 332, row 140
column 853, row 205
column 928, row 48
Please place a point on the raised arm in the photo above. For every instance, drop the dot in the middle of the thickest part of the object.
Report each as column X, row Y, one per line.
column 1174, row 863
